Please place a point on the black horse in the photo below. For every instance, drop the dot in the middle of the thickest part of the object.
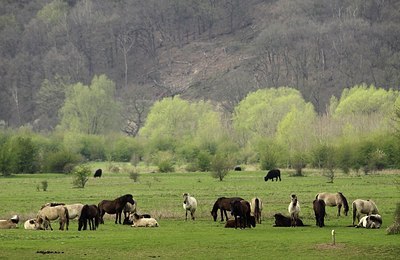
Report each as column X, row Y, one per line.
column 319, row 210
column 240, row 209
column 224, row 205
column 114, row 207
column 275, row 173
column 284, row 221
column 89, row 213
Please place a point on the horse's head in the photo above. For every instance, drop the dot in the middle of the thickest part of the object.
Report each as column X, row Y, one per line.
column 214, row 215
column 129, row 198
column 185, row 197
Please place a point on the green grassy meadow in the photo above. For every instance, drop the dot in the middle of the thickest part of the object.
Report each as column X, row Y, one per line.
column 160, row 194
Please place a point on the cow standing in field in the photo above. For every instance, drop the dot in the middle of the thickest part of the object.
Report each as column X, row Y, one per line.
column 98, row 173
column 275, row 173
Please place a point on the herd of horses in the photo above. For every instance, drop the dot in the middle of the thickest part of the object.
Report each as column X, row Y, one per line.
column 246, row 214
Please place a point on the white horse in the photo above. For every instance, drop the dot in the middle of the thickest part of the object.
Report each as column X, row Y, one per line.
column 294, row 210
column 189, row 204
column 256, row 206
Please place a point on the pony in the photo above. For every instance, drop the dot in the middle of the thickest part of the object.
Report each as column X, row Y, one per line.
column 129, row 209
column 144, row 222
column 371, row 221
column 114, row 207
column 129, row 220
column 74, row 210
column 363, row 207
column 319, row 210
column 90, row 213
column 256, row 206
column 334, row 199
column 223, row 204
column 97, row 173
column 283, row 221
column 55, row 212
column 9, row 223
column 294, row 210
column 274, row 173
column 189, row 204
column 38, row 224
column 240, row 209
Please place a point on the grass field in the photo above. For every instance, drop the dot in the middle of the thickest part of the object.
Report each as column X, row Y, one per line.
column 160, row 194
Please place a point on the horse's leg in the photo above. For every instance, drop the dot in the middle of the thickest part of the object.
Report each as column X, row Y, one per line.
column 338, row 209
column 186, row 215
column 226, row 216
column 192, row 214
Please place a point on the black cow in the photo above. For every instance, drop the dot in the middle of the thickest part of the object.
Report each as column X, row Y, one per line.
column 275, row 173
column 98, row 173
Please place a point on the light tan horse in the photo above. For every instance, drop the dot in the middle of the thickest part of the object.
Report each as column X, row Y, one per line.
column 334, row 199
column 56, row 212
column 256, row 206
column 363, row 207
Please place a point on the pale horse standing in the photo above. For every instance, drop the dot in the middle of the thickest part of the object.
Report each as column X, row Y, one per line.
column 294, row 210
column 189, row 204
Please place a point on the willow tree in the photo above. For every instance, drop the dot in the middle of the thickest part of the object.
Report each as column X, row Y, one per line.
column 91, row 109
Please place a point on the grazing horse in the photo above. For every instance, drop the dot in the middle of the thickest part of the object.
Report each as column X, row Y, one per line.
column 334, row 199
column 371, row 221
column 189, row 204
column 74, row 210
column 223, row 204
column 294, row 209
column 274, row 173
column 363, row 207
column 114, row 207
column 240, row 209
column 129, row 209
column 283, row 221
column 55, row 212
column 319, row 210
column 90, row 213
column 256, row 206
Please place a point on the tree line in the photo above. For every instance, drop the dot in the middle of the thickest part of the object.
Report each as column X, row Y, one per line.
column 272, row 127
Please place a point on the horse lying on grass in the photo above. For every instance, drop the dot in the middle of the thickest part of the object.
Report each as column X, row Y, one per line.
column 144, row 222
column 9, row 223
column 284, row 221
column 371, row 221
column 38, row 224
column 129, row 220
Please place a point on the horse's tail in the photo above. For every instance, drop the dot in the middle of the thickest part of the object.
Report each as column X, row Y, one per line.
column 67, row 216
column 354, row 206
column 345, row 204
column 316, row 196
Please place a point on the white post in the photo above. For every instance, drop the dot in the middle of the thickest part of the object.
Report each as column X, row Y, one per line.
column 333, row 236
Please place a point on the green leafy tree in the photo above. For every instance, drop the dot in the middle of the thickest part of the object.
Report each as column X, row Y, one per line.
column 80, row 176
column 259, row 114
column 220, row 166
column 91, row 109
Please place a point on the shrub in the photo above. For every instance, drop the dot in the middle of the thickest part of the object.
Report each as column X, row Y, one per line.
column 44, row 185
column 203, row 161
column 7, row 158
column 80, row 176
column 395, row 227
column 26, row 155
column 134, row 175
column 220, row 166
column 165, row 166
column 61, row 161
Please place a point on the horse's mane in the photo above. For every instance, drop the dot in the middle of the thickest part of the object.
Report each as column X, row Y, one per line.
column 345, row 204
column 216, row 206
column 52, row 204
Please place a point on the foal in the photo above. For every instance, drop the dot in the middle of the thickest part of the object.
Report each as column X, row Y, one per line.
column 294, row 210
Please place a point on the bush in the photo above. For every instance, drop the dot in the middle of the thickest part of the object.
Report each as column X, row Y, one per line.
column 44, row 185
column 220, row 166
column 395, row 227
column 61, row 161
column 7, row 158
column 81, row 175
column 164, row 161
column 92, row 147
column 134, row 175
column 165, row 166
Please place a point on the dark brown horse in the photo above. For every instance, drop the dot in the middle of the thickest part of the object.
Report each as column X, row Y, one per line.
column 114, row 207
column 89, row 213
column 240, row 209
column 223, row 204
column 319, row 210
column 284, row 221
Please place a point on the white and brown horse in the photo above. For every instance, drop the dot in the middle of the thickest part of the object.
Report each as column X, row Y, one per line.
column 189, row 204
column 256, row 206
